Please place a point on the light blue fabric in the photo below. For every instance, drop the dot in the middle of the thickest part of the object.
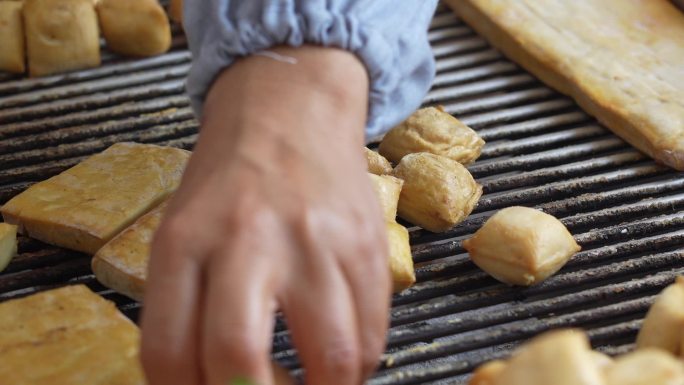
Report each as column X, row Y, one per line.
column 389, row 36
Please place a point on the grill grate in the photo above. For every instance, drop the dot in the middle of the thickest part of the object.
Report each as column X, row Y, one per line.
column 542, row 151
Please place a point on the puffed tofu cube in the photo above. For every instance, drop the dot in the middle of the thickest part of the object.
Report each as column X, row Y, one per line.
column 87, row 205
column 65, row 336
column 646, row 367
column 664, row 324
column 388, row 189
column 61, row 35
column 435, row 131
column 377, row 164
column 12, row 55
column 487, row 374
column 401, row 260
column 8, row 244
column 121, row 264
column 521, row 246
column 554, row 358
column 438, row 192
column 134, row 27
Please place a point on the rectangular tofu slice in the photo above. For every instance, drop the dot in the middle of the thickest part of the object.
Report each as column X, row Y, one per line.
column 8, row 244
column 85, row 206
column 61, row 35
column 12, row 56
column 67, row 336
column 621, row 60
column 121, row 264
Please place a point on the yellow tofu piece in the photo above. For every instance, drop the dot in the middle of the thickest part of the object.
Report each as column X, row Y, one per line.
column 387, row 188
column 663, row 326
column 87, row 205
column 67, row 336
column 377, row 164
column 8, row 244
column 554, row 358
column 521, row 246
column 401, row 260
column 134, row 27
column 121, row 264
column 12, row 55
column 61, row 35
column 646, row 367
column 176, row 11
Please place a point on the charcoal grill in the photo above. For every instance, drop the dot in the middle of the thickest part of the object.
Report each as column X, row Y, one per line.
column 542, row 151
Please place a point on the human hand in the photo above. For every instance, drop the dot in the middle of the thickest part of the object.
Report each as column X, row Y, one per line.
column 275, row 210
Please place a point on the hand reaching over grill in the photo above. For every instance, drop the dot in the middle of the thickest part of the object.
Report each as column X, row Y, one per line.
column 275, row 211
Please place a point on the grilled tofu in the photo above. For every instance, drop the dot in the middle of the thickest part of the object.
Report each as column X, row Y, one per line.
column 12, row 55
column 134, row 27
column 621, row 60
column 67, row 336
column 85, row 206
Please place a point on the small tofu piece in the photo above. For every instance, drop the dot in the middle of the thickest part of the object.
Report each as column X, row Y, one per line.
column 435, row 131
column 121, row 264
column 554, row 358
column 388, row 189
column 87, row 205
column 134, row 27
column 12, row 55
column 8, row 244
column 377, row 164
column 401, row 260
column 646, row 367
column 664, row 324
column 601, row 360
column 438, row 192
column 521, row 246
column 176, row 11
column 488, row 373
column 61, row 35
column 67, row 336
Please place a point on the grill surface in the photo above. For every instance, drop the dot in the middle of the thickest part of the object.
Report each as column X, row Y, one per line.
column 541, row 151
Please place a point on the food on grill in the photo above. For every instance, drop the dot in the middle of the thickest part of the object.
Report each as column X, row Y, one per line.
column 487, row 373
column 377, row 164
column 601, row 360
column 664, row 324
column 645, row 367
column 521, row 246
column 85, row 206
column 176, row 11
column 121, row 264
column 401, row 260
column 387, row 189
column 435, row 131
column 61, row 35
column 8, row 244
column 622, row 63
column 134, row 27
column 67, row 336
column 438, row 192
column 561, row 357
column 12, row 56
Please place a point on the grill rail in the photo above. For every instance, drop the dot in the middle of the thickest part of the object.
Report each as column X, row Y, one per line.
column 542, row 151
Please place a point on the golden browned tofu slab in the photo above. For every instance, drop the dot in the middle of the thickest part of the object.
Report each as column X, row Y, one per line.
column 663, row 327
column 134, row 27
column 621, row 60
column 67, row 336
column 122, row 263
column 61, row 35
column 86, row 205
column 12, row 56
column 401, row 260
column 8, row 244
column 646, row 367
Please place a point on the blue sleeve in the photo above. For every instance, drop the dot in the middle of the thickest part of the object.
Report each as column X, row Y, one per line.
column 389, row 36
